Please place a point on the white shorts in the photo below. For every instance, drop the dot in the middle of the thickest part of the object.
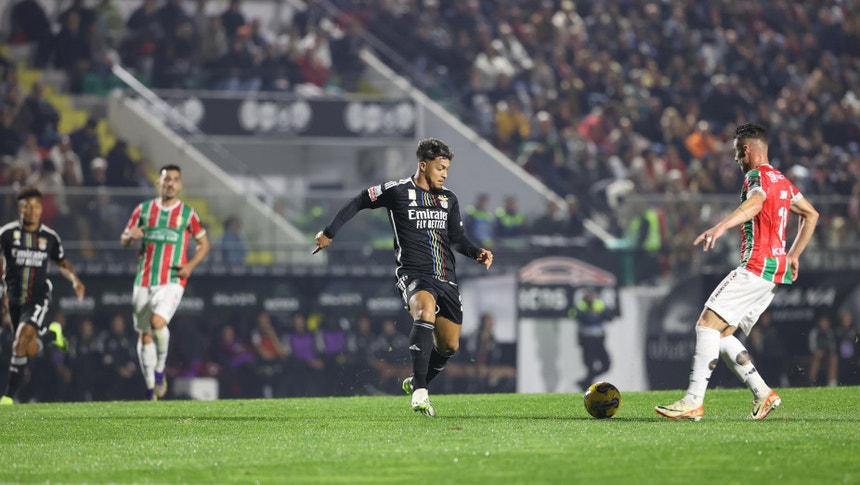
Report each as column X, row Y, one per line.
column 741, row 298
column 162, row 300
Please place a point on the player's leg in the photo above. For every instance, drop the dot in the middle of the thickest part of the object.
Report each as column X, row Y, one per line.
column 142, row 316
column 446, row 335
column 164, row 305
column 422, row 307
column 24, row 346
column 446, row 338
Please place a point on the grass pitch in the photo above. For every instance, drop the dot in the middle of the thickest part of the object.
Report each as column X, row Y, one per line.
column 814, row 437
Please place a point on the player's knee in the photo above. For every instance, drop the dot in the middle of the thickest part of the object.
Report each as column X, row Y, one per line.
column 145, row 338
column 448, row 348
column 743, row 358
column 713, row 364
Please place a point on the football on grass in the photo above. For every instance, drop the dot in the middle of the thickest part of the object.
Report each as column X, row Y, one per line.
column 602, row 400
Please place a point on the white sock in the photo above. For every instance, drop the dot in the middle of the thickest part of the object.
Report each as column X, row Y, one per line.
column 162, row 341
column 146, row 356
column 732, row 350
column 704, row 362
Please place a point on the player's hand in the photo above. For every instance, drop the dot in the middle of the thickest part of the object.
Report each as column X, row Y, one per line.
column 80, row 289
column 135, row 233
column 794, row 266
column 182, row 271
column 485, row 257
column 709, row 238
column 322, row 242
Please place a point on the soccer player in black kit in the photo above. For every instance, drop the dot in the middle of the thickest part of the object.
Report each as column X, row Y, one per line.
column 425, row 217
column 26, row 246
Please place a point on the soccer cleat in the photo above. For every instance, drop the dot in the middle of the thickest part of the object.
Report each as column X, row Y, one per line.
column 421, row 403
column 150, row 395
column 407, row 385
column 681, row 409
column 160, row 384
column 762, row 407
column 6, row 401
column 59, row 339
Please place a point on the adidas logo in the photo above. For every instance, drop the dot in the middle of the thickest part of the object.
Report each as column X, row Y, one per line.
column 413, row 204
column 415, row 347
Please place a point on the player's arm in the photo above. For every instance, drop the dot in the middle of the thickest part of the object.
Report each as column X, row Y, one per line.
column 203, row 247
column 4, row 307
column 68, row 273
column 461, row 242
column 746, row 211
column 347, row 212
column 133, row 232
column 808, row 221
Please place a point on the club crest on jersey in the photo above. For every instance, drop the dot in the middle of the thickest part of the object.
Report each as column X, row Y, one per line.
column 178, row 221
column 43, row 243
column 443, row 201
column 16, row 236
column 374, row 192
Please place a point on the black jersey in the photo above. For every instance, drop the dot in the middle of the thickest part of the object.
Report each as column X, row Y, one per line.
column 427, row 226
column 26, row 255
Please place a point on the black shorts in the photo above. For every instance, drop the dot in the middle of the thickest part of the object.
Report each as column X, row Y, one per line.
column 32, row 312
column 449, row 304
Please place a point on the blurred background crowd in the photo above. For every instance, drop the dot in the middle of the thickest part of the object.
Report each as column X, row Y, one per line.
column 604, row 102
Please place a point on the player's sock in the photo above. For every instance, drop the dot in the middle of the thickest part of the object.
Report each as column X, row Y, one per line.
column 420, row 346
column 161, row 337
column 437, row 364
column 704, row 362
column 16, row 374
column 736, row 356
column 146, row 356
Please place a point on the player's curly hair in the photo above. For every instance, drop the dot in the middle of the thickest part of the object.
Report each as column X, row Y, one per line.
column 431, row 148
column 751, row 131
column 28, row 192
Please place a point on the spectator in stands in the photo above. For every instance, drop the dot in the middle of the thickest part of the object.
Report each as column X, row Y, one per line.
column 769, row 351
column 85, row 362
column 391, row 357
column 68, row 163
column 144, row 18
column 120, row 381
column 73, row 50
column 701, row 141
column 39, row 117
column 480, row 222
column 345, row 54
column 271, row 356
column 359, row 357
column 30, row 155
column 491, row 372
column 86, row 16
column 823, row 353
column 10, row 138
column 233, row 248
column 232, row 18
column 306, row 369
column 30, row 23
column 170, row 17
column 234, row 360
column 120, row 166
column 85, row 141
column 510, row 222
column 551, row 223
column 97, row 175
column 848, row 341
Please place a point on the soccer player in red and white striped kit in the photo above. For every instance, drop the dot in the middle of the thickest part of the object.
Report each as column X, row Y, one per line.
column 767, row 200
column 164, row 225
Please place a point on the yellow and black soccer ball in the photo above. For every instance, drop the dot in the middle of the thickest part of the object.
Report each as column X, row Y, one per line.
column 602, row 400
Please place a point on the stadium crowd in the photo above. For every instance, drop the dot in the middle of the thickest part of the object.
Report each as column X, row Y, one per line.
column 255, row 356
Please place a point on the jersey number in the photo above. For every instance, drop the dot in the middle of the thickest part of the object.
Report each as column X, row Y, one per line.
column 783, row 222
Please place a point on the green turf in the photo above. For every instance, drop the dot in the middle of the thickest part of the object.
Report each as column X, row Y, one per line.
column 493, row 439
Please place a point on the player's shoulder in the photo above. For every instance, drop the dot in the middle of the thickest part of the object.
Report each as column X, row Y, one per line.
column 49, row 231
column 9, row 227
column 400, row 184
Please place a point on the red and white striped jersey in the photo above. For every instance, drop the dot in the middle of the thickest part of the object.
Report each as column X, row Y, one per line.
column 763, row 237
column 166, row 232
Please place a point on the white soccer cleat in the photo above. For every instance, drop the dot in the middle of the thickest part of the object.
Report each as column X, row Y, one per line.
column 762, row 407
column 681, row 409
column 421, row 403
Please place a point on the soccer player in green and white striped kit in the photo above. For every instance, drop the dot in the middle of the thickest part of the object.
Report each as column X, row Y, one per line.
column 164, row 225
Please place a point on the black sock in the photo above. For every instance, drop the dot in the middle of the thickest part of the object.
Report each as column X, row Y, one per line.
column 420, row 345
column 48, row 337
column 16, row 375
column 437, row 364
